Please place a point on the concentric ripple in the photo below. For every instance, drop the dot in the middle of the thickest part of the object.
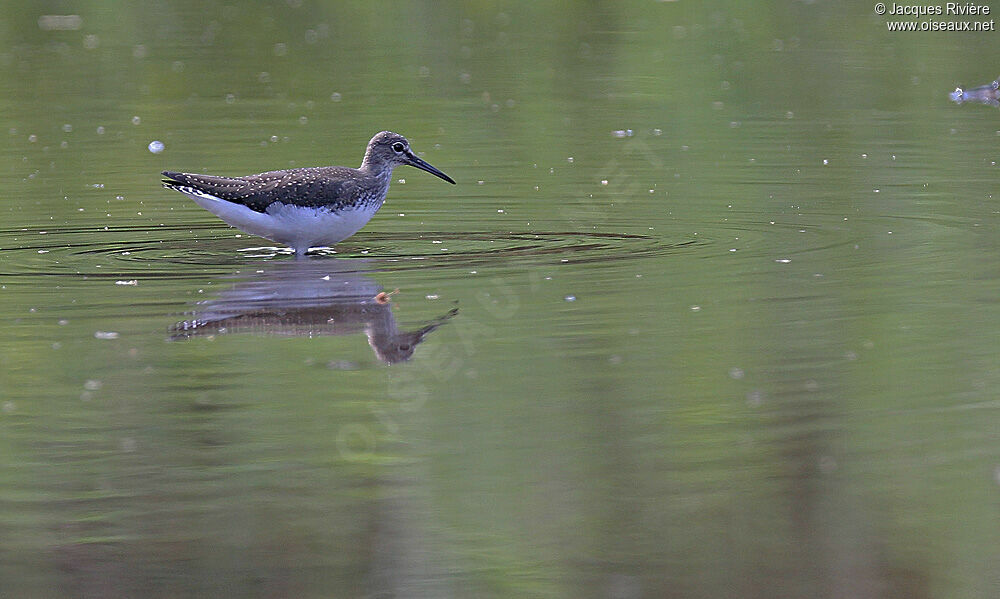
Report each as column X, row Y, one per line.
column 181, row 251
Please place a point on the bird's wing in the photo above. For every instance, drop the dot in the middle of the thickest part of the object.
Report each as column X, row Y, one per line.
column 306, row 187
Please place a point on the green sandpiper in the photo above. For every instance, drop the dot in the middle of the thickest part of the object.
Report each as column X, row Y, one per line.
column 304, row 207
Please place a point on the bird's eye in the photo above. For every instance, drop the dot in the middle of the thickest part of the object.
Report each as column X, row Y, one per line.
column 398, row 147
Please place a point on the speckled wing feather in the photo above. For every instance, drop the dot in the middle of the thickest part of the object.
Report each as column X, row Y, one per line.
column 333, row 186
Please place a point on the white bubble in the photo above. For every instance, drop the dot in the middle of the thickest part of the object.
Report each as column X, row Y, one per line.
column 335, row 97
column 156, row 146
column 136, row 120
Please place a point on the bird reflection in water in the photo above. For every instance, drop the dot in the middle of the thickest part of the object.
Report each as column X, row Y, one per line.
column 308, row 299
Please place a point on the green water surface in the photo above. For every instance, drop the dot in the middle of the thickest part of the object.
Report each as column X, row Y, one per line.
column 712, row 311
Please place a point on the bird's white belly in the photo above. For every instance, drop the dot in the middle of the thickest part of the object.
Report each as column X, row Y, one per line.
column 296, row 226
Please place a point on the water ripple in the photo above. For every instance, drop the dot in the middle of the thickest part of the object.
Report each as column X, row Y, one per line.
column 180, row 251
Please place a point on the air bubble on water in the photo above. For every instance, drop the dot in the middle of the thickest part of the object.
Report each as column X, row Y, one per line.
column 105, row 335
column 91, row 41
column 100, row 130
column 303, row 120
column 32, row 138
column 465, row 78
column 736, row 373
column 783, row 260
column 64, row 144
column 67, row 128
column 569, row 159
column 335, row 97
column 423, row 72
column 280, row 49
column 570, row 298
column 230, row 98
column 604, row 181
column 136, row 120
column 156, row 146
column 825, row 162
column 402, row 181
column 621, row 133
column 274, row 139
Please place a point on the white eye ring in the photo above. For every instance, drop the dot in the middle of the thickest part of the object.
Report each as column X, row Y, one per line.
column 398, row 147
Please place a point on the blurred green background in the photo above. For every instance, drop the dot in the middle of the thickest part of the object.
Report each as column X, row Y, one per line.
column 726, row 277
